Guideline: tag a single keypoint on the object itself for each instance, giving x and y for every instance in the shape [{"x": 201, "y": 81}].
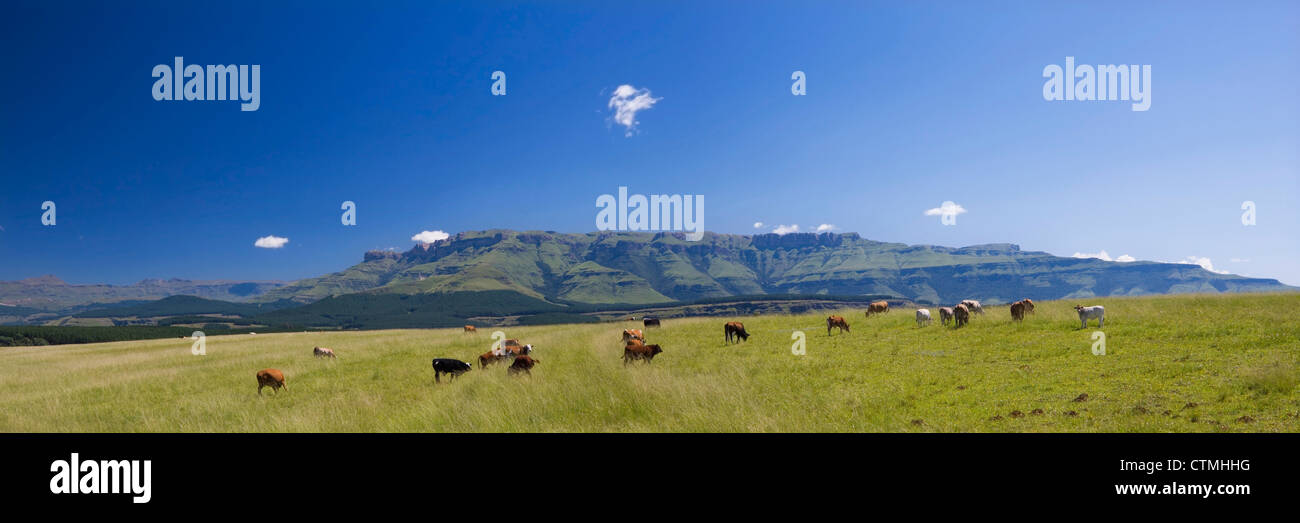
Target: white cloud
[
  {"x": 626, "y": 102},
  {"x": 270, "y": 242},
  {"x": 430, "y": 236},
  {"x": 1103, "y": 256},
  {"x": 947, "y": 208},
  {"x": 1204, "y": 263},
  {"x": 825, "y": 227},
  {"x": 1233, "y": 260},
  {"x": 758, "y": 225},
  {"x": 785, "y": 229}
]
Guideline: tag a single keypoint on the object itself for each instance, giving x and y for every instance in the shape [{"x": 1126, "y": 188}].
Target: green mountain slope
[{"x": 644, "y": 268}]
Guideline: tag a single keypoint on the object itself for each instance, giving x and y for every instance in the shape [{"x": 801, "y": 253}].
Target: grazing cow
[
  {"x": 1018, "y": 311},
  {"x": 1087, "y": 313},
  {"x": 322, "y": 352},
  {"x": 633, "y": 334},
  {"x": 523, "y": 364},
  {"x": 471, "y": 328},
  {"x": 736, "y": 329},
  {"x": 961, "y": 314},
  {"x": 945, "y": 315},
  {"x": 512, "y": 351},
  {"x": 270, "y": 378},
  {"x": 1029, "y": 305},
  {"x": 640, "y": 352},
  {"x": 973, "y": 306},
  {"x": 923, "y": 317},
  {"x": 877, "y": 307},
  {"x": 490, "y": 357},
  {"x": 836, "y": 321},
  {"x": 512, "y": 343},
  {"x": 650, "y": 322},
  {"x": 449, "y": 366}
]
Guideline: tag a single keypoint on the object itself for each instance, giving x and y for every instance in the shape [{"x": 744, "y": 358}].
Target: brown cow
[
  {"x": 519, "y": 350},
  {"x": 471, "y": 328},
  {"x": 836, "y": 321},
  {"x": 650, "y": 322},
  {"x": 270, "y": 378},
  {"x": 322, "y": 352},
  {"x": 633, "y": 334},
  {"x": 640, "y": 352},
  {"x": 1018, "y": 311},
  {"x": 523, "y": 364},
  {"x": 961, "y": 314},
  {"x": 877, "y": 307},
  {"x": 736, "y": 329},
  {"x": 945, "y": 315},
  {"x": 488, "y": 358},
  {"x": 1029, "y": 305}
]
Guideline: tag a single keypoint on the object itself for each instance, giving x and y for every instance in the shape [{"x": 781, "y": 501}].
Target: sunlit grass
[{"x": 1180, "y": 363}]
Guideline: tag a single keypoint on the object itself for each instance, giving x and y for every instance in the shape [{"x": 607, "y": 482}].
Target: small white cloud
[
  {"x": 430, "y": 236},
  {"x": 626, "y": 102},
  {"x": 270, "y": 242},
  {"x": 825, "y": 227},
  {"x": 758, "y": 225},
  {"x": 785, "y": 229},
  {"x": 946, "y": 209},
  {"x": 1204, "y": 263},
  {"x": 1103, "y": 256}
]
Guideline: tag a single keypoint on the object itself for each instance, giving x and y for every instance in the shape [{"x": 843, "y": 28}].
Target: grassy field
[{"x": 1172, "y": 364}]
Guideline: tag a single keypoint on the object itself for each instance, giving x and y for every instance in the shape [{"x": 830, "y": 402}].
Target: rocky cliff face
[{"x": 640, "y": 268}]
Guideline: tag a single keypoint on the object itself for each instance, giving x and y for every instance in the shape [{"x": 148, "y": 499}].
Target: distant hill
[
  {"x": 184, "y": 305},
  {"x": 650, "y": 268},
  {"x": 50, "y": 294}
]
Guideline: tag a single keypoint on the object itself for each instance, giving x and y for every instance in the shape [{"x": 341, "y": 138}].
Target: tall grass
[{"x": 1172, "y": 363}]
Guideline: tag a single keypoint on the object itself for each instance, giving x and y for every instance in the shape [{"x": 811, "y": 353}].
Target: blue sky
[{"x": 908, "y": 105}]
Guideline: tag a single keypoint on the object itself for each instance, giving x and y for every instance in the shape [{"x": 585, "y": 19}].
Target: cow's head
[{"x": 1078, "y": 308}]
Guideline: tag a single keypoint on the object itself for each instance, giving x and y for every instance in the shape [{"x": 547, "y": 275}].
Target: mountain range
[
  {"x": 550, "y": 271},
  {"x": 647, "y": 268}
]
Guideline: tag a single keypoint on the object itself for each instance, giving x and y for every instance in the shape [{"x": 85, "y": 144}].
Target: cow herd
[
  {"x": 960, "y": 314},
  {"x": 635, "y": 347}
]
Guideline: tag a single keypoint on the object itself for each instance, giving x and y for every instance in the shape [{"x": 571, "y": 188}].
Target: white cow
[
  {"x": 1087, "y": 313},
  {"x": 922, "y": 317},
  {"x": 974, "y": 306}
]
